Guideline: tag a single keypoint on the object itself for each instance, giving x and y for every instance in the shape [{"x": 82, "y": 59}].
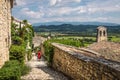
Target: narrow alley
[{"x": 40, "y": 71}]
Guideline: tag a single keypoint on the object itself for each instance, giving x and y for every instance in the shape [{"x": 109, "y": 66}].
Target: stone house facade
[
  {"x": 5, "y": 29},
  {"x": 19, "y": 23}
]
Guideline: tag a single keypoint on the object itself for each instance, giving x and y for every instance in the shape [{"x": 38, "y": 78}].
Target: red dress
[{"x": 39, "y": 54}]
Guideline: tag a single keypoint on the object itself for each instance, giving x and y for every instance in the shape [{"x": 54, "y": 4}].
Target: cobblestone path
[{"x": 40, "y": 71}]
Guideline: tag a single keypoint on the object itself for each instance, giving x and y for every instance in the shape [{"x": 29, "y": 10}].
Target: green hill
[{"x": 76, "y": 29}]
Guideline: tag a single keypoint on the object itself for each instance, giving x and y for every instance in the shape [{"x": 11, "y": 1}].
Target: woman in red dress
[{"x": 39, "y": 55}]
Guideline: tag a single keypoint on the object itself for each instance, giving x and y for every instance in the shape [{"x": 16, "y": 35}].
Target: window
[
  {"x": 100, "y": 33},
  {"x": 6, "y": 42},
  {"x": 104, "y": 33}
]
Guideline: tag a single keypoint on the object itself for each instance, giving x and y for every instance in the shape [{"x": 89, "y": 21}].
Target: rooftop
[
  {"x": 109, "y": 50},
  {"x": 101, "y": 27}
]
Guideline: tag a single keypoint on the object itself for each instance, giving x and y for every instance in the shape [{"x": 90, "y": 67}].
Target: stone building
[
  {"x": 19, "y": 23},
  {"x": 5, "y": 29},
  {"x": 108, "y": 50},
  {"x": 101, "y": 34}
]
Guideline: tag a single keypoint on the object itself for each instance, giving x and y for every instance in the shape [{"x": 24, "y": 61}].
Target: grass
[{"x": 114, "y": 39}]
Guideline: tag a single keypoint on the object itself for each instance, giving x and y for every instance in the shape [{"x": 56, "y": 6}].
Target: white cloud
[
  {"x": 68, "y": 10},
  {"x": 78, "y": 0},
  {"x": 67, "y": 1},
  {"x": 102, "y": 9},
  {"x": 20, "y": 2},
  {"x": 106, "y": 6},
  {"x": 63, "y": 2},
  {"x": 53, "y": 2},
  {"x": 31, "y": 14},
  {"x": 102, "y": 19},
  {"x": 82, "y": 9},
  {"x": 76, "y": 18}
]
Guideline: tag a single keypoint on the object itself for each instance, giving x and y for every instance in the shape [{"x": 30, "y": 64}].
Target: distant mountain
[
  {"x": 77, "y": 23},
  {"x": 83, "y": 30}
]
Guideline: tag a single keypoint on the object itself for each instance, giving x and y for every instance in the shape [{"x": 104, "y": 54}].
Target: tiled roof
[{"x": 109, "y": 50}]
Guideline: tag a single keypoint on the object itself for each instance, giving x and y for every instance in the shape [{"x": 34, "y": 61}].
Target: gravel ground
[{"x": 40, "y": 71}]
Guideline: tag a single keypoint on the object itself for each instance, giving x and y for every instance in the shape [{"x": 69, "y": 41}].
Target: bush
[
  {"x": 29, "y": 54},
  {"x": 10, "y": 74},
  {"x": 17, "y": 53},
  {"x": 11, "y": 63},
  {"x": 36, "y": 49},
  {"x": 25, "y": 70},
  {"x": 17, "y": 40},
  {"x": 10, "y": 71},
  {"x": 72, "y": 42},
  {"x": 48, "y": 51}
]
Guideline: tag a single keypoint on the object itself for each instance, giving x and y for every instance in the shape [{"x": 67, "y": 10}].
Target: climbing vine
[{"x": 22, "y": 39}]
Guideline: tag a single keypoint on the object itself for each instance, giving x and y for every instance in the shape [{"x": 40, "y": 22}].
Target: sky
[{"x": 37, "y": 11}]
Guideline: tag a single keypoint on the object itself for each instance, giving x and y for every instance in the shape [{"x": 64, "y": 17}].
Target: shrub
[
  {"x": 48, "y": 51},
  {"x": 17, "y": 40},
  {"x": 36, "y": 49},
  {"x": 11, "y": 63},
  {"x": 17, "y": 53},
  {"x": 10, "y": 71},
  {"x": 72, "y": 42},
  {"x": 29, "y": 54},
  {"x": 25, "y": 70}
]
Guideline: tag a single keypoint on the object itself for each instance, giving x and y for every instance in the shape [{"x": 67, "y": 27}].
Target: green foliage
[
  {"x": 10, "y": 71},
  {"x": 68, "y": 41},
  {"x": 13, "y": 29},
  {"x": 20, "y": 38},
  {"x": 17, "y": 53},
  {"x": 13, "y": 69},
  {"x": 48, "y": 51},
  {"x": 23, "y": 33},
  {"x": 16, "y": 40},
  {"x": 25, "y": 21},
  {"x": 36, "y": 49},
  {"x": 72, "y": 42},
  {"x": 29, "y": 54},
  {"x": 25, "y": 69},
  {"x": 11, "y": 63},
  {"x": 31, "y": 30},
  {"x": 78, "y": 30},
  {"x": 114, "y": 38}
]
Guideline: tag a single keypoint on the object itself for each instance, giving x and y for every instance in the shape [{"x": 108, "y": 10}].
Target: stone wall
[
  {"x": 5, "y": 30},
  {"x": 81, "y": 67},
  {"x": 42, "y": 49}
]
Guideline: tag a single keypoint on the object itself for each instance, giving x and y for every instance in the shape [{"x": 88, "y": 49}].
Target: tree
[{"x": 25, "y": 22}]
